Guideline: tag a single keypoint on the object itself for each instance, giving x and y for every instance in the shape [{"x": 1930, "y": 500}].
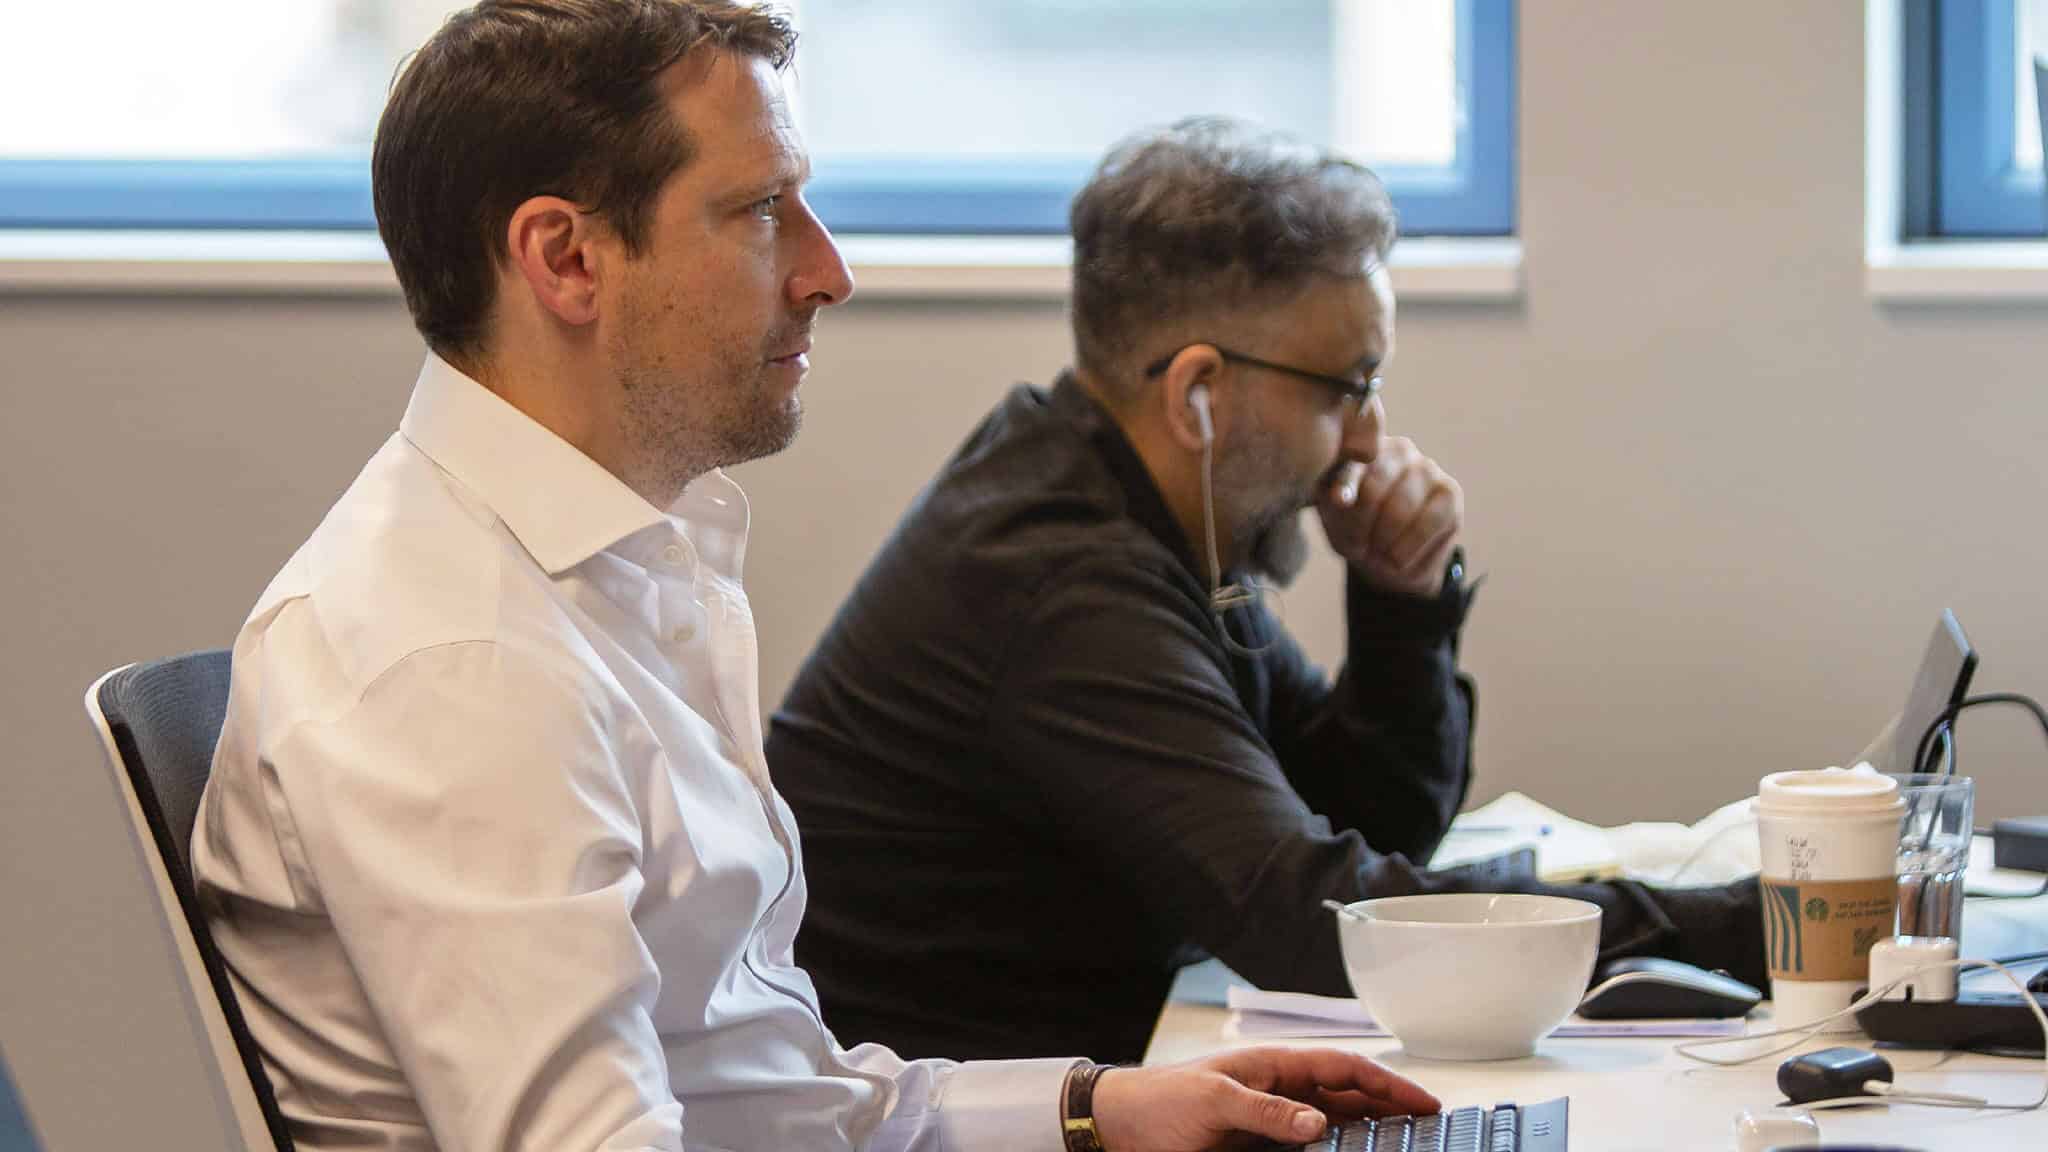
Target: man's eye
[{"x": 766, "y": 207}]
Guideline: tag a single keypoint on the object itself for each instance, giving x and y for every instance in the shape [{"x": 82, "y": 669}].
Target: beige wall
[{"x": 1719, "y": 493}]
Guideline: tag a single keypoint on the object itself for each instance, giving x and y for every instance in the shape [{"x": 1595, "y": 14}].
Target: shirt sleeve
[
  {"x": 950, "y": 1106},
  {"x": 1115, "y": 710},
  {"x": 978, "y": 1106},
  {"x": 467, "y": 828},
  {"x": 1114, "y": 707},
  {"x": 1387, "y": 748}
]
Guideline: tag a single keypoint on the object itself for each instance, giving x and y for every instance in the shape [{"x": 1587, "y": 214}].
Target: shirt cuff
[
  {"x": 1379, "y": 618},
  {"x": 1004, "y": 1106}
]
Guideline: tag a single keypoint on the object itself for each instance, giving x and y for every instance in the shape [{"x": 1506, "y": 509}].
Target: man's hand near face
[{"x": 1395, "y": 520}]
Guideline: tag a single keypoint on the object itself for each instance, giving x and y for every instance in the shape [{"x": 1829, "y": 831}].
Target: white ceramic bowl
[{"x": 1470, "y": 976}]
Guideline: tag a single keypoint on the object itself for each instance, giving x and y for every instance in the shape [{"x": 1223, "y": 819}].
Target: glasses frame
[{"x": 1356, "y": 391}]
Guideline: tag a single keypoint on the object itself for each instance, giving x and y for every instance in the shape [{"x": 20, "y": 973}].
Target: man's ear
[
  {"x": 551, "y": 244},
  {"x": 1187, "y": 392}
]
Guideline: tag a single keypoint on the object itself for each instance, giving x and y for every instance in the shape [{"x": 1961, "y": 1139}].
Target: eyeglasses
[{"x": 1355, "y": 391}]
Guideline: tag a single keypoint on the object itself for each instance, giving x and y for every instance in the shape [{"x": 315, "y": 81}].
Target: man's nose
[{"x": 821, "y": 277}]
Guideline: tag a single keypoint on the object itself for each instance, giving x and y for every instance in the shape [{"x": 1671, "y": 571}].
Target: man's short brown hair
[
  {"x": 514, "y": 99},
  {"x": 1207, "y": 216}
]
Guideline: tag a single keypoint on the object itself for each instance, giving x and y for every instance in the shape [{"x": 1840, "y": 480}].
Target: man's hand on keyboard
[{"x": 1284, "y": 1094}]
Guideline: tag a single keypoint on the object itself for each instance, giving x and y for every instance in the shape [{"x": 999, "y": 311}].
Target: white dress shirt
[{"x": 490, "y": 846}]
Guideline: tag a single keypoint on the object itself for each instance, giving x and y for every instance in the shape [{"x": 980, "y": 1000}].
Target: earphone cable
[{"x": 1224, "y": 597}]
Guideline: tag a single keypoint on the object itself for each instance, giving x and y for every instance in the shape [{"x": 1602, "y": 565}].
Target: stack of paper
[
  {"x": 1720, "y": 848},
  {"x": 1297, "y": 1015}
]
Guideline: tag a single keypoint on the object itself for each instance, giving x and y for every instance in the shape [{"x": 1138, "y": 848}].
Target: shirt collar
[
  {"x": 563, "y": 506},
  {"x": 1142, "y": 500}
]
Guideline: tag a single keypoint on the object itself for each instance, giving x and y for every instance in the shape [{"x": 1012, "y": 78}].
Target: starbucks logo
[{"x": 1817, "y": 909}]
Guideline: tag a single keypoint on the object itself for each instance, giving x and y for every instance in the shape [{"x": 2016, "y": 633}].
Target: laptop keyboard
[{"x": 1501, "y": 1128}]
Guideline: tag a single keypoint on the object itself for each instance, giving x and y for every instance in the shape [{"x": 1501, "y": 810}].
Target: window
[
  {"x": 923, "y": 116},
  {"x": 1035, "y": 90},
  {"x": 1973, "y": 156}
]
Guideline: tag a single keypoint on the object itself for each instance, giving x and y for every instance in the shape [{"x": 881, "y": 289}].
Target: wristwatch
[{"x": 1077, "y": 1107}]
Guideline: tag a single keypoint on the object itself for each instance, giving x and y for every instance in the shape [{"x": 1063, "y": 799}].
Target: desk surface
[{"x": 1639, "y": 1094}]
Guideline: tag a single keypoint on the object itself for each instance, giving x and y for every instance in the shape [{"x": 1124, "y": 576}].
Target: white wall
[{"x": 1718, "y": 492}]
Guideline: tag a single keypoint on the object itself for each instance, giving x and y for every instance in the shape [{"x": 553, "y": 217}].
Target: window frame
[
  {"x": 1962, "y": 176},
  {"x": 1473, "y": 196}
]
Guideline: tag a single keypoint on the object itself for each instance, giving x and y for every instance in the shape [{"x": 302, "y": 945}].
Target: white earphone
[{"x": 1222, "y": 597}]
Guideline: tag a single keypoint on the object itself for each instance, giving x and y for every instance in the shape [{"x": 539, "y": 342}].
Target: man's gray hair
[{"x": 1208, "y": 216}]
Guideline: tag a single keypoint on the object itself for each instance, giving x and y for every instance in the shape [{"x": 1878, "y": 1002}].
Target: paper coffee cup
[{"x": 1829, "y": 842}]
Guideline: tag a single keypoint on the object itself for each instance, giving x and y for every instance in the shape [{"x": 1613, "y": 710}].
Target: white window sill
[
  {"x": 1958, "y": 271},
  {"x": 885, "y": 267},
  {"x": 1036, "y": 267}
]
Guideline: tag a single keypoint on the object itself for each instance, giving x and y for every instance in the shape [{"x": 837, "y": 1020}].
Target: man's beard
[
  {"x": 1279, "y": 549},
  {"x": 749, "y": 422},
  {"x": 1267, "y": 521},
  {"x": 752, "y": 424},
  {"x": 727, "y": 413}
]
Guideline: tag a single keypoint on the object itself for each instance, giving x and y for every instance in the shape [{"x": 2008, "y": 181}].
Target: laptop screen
[
  {"x": 1939, "y": 684},
  {"x": 15, "y": 1134}
]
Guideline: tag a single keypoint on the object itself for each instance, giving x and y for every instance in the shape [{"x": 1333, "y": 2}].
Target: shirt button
[
  {"x": 684, "y": 633},
  {"x": 672, "y": 555}
]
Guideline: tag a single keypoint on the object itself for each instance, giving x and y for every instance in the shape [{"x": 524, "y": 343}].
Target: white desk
[{"x": 1639, "y": 1094}]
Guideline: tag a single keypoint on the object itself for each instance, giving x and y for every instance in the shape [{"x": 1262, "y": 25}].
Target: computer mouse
[{"x": 1650, "y": 988}]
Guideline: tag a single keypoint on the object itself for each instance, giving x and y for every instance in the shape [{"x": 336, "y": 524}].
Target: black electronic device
[
  {"x": 1975, "y": 1019},
  {"x": 1831, "y": 1074},
  {"x": 2021, "y": 845},
  {"x": 1652, "y": 988},
  {"x": 1501, "y": 1128}
]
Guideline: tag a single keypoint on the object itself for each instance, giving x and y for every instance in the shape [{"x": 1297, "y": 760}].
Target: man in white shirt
[{"x": 490, "y": 845}]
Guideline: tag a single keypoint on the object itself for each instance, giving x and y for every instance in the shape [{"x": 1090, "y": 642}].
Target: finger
[
  {"x": 1344, "y": 1107},
  {"x": 1437, "y": 496},
  {"x": 1397, "y": 510},
  {"x": 1347, "y": 1105},
  {"x": 1428, "y": 570},
  {"x": 1350, "y": 524},
  {"x": 1274, "y": 1117},
  {"x": 1349, "y": 478},
  {"x": 1352, "y": 519},
  {"x": 1298, "y": 1071},
  {"x": 1387, "y": 466},
  {"x": 1437, "y": 520}
]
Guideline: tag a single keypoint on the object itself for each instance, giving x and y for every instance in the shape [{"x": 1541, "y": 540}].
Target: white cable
[
  {"x": 1892, "y": 1091},
  {"x": 1805, "y": 1032},
  {"x": 1222, "y": 598},
  {"x": 1218, "y": 595}
]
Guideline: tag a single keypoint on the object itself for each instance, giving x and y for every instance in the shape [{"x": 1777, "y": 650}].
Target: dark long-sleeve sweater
[{"x": 1032, "y": 779}]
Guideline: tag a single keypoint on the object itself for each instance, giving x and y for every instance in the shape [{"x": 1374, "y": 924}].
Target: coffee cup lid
[{"x": 1829, "y": 791}]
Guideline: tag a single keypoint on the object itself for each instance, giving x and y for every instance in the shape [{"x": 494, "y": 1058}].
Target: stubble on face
[
  {"x": 1259, "y": 503},
  {"x": 718, "y": 406}
]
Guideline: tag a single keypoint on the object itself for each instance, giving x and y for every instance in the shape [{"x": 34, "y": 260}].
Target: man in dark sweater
[{"x": 1054, "y": 747}]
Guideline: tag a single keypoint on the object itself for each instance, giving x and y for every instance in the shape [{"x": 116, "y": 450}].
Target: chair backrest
[{"x": 159, "y": 723}]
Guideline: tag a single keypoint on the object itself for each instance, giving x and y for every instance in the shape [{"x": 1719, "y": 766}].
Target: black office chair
[{"x": 159, "y": 723}]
